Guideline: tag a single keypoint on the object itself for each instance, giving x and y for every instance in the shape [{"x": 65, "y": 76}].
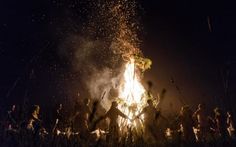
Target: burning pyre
[
  {"x": 132, "y": 94},
  {"x": 116, "y": 22},
  {"x": 123, "y": 24}
]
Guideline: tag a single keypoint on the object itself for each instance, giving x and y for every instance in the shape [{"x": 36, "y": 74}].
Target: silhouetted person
[
  {"x": 187, "y": 123},
  {"x": 34, "y": 124},
  {"x": 11, "y": 127},
  {"x": 12, "y": 118},
  {"x": 80, "y": 118},
  {"x": 113, "y": 113},
  {"x": 202, "y": 122},
  {"x": 60, "y": 120},
  {"x": 150, "y": 116},
  {"x": 83, "y": 116},
  {"x": 221, "y": 124},
  {"x": 74, "y": 119},
  {"x": 230, "y": 124}
]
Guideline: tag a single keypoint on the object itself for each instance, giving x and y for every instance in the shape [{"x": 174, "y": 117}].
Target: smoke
[
  {"x": 99, "y": 52},
  {"x": 103, "y": 85},
  {"x": 100, "y": 68}
]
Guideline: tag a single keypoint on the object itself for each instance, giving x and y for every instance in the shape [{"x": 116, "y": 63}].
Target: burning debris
[{"x": 132, "y": 94}]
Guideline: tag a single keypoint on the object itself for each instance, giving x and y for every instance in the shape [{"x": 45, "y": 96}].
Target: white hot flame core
[{"x": 132, "y": 95}]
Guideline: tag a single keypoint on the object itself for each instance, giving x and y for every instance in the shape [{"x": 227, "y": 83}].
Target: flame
[{"x": 131, "y": 94}]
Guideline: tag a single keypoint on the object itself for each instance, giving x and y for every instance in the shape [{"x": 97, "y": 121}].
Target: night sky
[{"x": 175, "y": 35}]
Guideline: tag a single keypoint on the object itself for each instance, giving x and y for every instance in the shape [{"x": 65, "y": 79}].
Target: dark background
[{"x": 176, "y": 37}]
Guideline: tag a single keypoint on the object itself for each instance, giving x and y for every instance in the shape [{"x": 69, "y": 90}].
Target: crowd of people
[{"x": 83, "y": 126}]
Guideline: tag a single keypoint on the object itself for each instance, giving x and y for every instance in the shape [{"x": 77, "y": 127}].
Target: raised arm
[{"x": 122, "y": 114}]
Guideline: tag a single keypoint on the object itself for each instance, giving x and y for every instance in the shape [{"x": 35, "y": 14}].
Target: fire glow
[{"x": 131, "y": 94}]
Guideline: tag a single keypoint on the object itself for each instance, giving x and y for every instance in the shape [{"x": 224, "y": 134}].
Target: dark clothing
[
  {"x": 11, "y": 119},
  {"x": 60, "y": 120},
  {"x": 150, "y": 119},
  {"x": 113, "y": 114},
  {"x": 187, "y": 123},
  {"x": 80, "y": 120},
  {"x": 221, "y": 124}
]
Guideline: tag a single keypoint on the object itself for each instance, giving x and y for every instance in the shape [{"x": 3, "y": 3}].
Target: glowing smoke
[{"x": 107, "y": 40}]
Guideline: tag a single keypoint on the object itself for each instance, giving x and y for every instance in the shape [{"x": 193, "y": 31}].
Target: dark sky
[
  {"x": 181, "y": 46},
  {"x": 175, "y": 36}
]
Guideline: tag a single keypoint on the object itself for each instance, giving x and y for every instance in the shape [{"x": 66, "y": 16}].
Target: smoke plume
[{"x": 99, "y": 52}]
